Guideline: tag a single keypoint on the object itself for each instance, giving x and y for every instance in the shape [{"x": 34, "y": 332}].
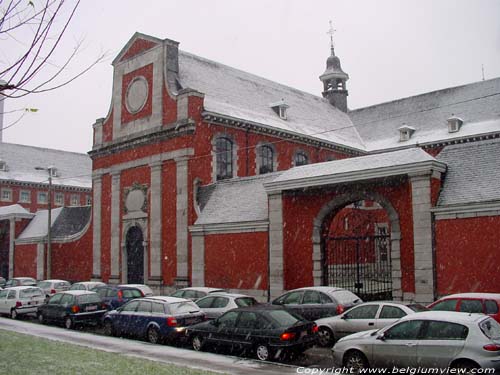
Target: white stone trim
[
  {"x": 182, "y": 216},
  {"x": 276, "y": 270},
  {"x": 156, "y": 220},
  {"x": 115, "y": 224},
  {"x": 466, "y": 210},
  {"x": 96, "y": 227},
  {"x": 236, "y": 227},
  {"x": 40, "y": 261},
  {"x": 360, "y": 175},
  {"x": 198, "y": 259},
  {"x": 12, "y": 235}
]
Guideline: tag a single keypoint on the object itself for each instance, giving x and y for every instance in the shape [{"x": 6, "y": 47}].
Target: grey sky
[{"x": 390, "y": 49}]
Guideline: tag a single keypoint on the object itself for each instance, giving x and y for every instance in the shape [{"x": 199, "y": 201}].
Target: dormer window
[
  {"x": 405, "y": 133},
  {"x": 280, "y": 108},
  {"x": 3, "y": 165},
  {"x": 53, "y": 172},
  {"x": 454, "y": 124}
]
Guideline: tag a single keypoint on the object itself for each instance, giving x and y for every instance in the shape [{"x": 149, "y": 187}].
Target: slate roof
[
  {"x": 73, "y": 169},
  {"x": 66, "y": 221},
  {"x": 473, "y": 174},
  {"x": 477, "y": 104},
  {"x": 236, "y": 200},
  {"x": 242, "y": 95}
]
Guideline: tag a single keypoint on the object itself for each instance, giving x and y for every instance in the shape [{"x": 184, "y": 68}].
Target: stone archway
[
  {"x": 134, "y": 252},
  {"x": 341, "y": 201}
]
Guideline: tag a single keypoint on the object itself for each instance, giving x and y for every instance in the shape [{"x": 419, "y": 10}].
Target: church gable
[{"x": 139, "y": 43}]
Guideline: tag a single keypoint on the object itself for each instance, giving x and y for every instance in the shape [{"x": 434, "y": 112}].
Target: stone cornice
[
  {"x": 39, "y": 185},
  {"x": 220, "y": 119},
  {"x": 238, "y": 227},
  {"x": 459, "y": 211},
  {"x": 132, "y": 141},
  {"x": 355, "y": 176}
]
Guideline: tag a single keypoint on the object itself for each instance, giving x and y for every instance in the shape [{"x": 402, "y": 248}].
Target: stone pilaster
[
  {"x": 155, "y": 221},
  {"x": 12, "y": 237},
  {"x": 198, "y": 258},
  {"x": 276, "y": 283},
  {"x": 115, "y": 227},
  {"x": 422, "y": 238},
  {"x": 96, "y": 227},
  {"x": 40, "y": 261},
  {"x": 182, "y": 218}
]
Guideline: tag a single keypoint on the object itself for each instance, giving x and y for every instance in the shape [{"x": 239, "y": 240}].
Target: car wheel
[
  {"x": 325, "y": 336},
  {"x": 197, "y": 343},
  {"x": 466, "y": 366},
  {"x": 262, "y": 352},
  {"x": 153, "y": 335},
  {"x": 13, "y": 314},
  {"x": 109, "y": 330},
  {"x": 355, "y": 361},
  {"x": 68, "y": 323}
]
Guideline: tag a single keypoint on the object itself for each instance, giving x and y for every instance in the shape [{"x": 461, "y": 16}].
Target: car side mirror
[
  {"x": 344, "y": 317},
  {"x": 381, "y": 337}
]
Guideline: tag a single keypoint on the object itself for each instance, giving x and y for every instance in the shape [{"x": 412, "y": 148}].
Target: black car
[
  {"x": 314, "y": 303},
  {"x": 157, "y": 319},
  {"x": 269, "y": 332},
  {"x": 115, "y": 296},
  {"x": 72, "y": 307}
]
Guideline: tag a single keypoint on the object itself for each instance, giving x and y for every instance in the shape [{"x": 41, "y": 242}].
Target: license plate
[{"x": 91, "y": 308}]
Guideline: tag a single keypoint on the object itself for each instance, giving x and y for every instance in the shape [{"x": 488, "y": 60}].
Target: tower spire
[{"x": 331, "y": 31}]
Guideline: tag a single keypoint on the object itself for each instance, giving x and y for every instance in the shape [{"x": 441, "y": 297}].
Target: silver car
[
  {"x": 51, "y": 287},
  {"x": 368, "y": 315},
  {"x": 215, "y": 304},
  {"x": 433, "y": 339},
  {"x": 86, "y": 285},
  {"x": 194, "y": 293}
]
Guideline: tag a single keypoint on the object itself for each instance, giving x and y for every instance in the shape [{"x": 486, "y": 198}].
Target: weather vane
[{"x": 331, "y": 31}]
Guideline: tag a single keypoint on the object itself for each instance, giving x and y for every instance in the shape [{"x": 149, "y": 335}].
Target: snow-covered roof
[
  {"x": 477, "y": 104},
  {"x": 73, "y": 169},
  {"x": 13, "y": 210},
  {"x": 241, "y": 95},
  {"x": 473, "y": 174},
  {"x": 237, "y": 200},
  {"x": 37, "y": 227}
]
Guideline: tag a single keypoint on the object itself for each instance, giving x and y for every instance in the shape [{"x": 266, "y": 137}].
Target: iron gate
[{"x": 360, "y": 264}]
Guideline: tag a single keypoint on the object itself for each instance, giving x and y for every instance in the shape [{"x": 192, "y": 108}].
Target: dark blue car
[
  {"x": 157, "y": 319},
  {"x": 115, "y": 296}
]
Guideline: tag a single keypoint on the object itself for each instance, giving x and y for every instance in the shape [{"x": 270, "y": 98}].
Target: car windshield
[
  {"x": 43, "y": 284},
  {"x": 345, "y": 297},
  {"x": 31, "y": 292},
  {"x": 418, "y": 308},
  {"x": 490, "y": 328},
  {"x": 183, "y": 307},
  {"x": 88, "y": 298},
  {"x": 282, "y": 318},
  {"x": 245, "y": 301}
]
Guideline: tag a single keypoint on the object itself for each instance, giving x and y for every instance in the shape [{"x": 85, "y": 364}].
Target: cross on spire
[{"x": 330, "y": 32}]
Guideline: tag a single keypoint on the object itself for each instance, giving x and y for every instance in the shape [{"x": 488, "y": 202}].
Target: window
[
  {"x": 445, "y": 331},
  {"x": 131, "y": 306},
  {"x": 228, "y": 320},
  {"x": 446, "y": 305},
  {"x": 391, "y": 312},
  {"x": 491, "y": 307},
  {"x": 75, "y": 200},
  {"x": 404, "y": 331},
  {"x": 6, "y": 195},
  {"x": 144, "y": 306},
  {"x": 300, "y": 159},
  {"x": 245, "y": 301},
  {"x": 12, "y": 295},
  {"x": 24, "y": 196},
  {"x": 220, "y": 302},
  {"x": 59, "y": 199},
  {"x": 42, "y": 197},
  {"x": 205, "y": 302},
  {"x": 292, "y": 298},
  {"x": 266, "y": 159},
  {"x": 490, "y": 328},
  {"x": 158, "y": 308},
  {"x": 88, "y": 200},
  {"x": 247, "y": 320},
  {"x": 471, "y": 306},
  {"x": 3, "y": 165},
  {"x": 311, "y": 297},
  {"x": 362, "y": 312},
  {"x": 224, "y": 158},
  {"x": 54, "y": 300},
  {"x": 67, "y": 299}
]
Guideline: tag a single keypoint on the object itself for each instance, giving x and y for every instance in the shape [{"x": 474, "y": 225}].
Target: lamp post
[{"x": 49, "y": 220}]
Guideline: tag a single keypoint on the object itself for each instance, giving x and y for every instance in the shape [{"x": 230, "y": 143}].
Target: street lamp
[{"x": 50, "y": 170}]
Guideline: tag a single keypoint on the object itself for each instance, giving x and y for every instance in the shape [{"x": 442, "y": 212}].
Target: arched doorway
[
  {"x": 135, "y": 256},
  {"x": 356, "y": 245}
]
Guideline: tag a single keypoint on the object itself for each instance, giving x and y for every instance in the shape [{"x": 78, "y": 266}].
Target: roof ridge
[{"x": 45, "y": 148}]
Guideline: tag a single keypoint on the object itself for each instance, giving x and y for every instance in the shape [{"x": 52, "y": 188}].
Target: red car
[{"x": 486, "y": 303}]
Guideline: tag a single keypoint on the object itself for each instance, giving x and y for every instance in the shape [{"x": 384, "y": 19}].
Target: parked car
[
  {"x": 20, "y": 281},
  {"x": 486, "y": 303},
  {"x": 86, "y": 285},
  {"x": 432, "y": 339},
  {"x": 318, "y": 302},
  {"x": 115, "y": 296},
  {"x": 362, "y": 317},
  {"x": 157, "y": 319},
  {"x": 194, "y": 293},
  {"x": 2, "y": 282},
  {"x": 20, "y": 300},
  {"x": 72, "y": 307},
  {"x": 51, "y": 287},
  {"x": 215, "y": 304},
  {"x": 269, "y": 332},
  {"x": 146, "y": 290}
]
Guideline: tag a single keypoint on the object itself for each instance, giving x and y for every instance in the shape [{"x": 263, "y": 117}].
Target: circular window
[{"x": 137, "y": 94}]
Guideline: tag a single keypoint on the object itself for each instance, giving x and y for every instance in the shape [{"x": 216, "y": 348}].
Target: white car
[
  {"x": 194, "y": 293},
  {"x": 20, "y": 281},
  {"x": 430, "y": 339},
  {"x": 20, "y": 300},
  {"x": 368, "y": 315},
  {"x": 215, "y": 304},
  {"x": 86, "y": 285},
  {"x": 146, "y": 290},
  {"x": 51, "y": 287}
]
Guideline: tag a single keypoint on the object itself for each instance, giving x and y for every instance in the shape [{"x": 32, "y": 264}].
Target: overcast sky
[{"x": 390, "y": 49}]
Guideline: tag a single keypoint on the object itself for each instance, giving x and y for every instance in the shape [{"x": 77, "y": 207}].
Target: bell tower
[{"x": 334, "y": 79}]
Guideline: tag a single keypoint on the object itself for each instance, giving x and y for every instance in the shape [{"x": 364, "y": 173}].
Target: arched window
[
  {"x": 224, "y": 158},
  {"x": 300, "y": 159},
  {"x": 266, "y": 156}
]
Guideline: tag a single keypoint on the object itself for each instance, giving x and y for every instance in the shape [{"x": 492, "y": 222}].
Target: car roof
[
  {"x": 202, "y": 289},
  {"x": 261, "y": 307},
  {"x": 23, "y": 287},
  {"x": 167, "y": 299},
  {"x": 77, "y": 292},
  {"x": 395, "y": 303},
  {"x": 90, "y": 282},
  {"x": 449, "y": 316},
  {"x": 23, "y": 278},
  {"x": 474, "y": 295},
  {"x": 326, "y": 289},
  {"x": 227, "y": 294},
  {"x": 54, "y": 281}
]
